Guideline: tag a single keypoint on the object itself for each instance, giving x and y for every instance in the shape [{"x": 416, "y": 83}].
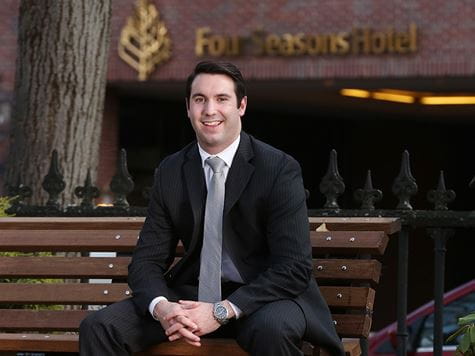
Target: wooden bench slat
[
  {"x": 347, "y": 269},
  {"x": 352, "y": 325},
  {"x": 373, "y": 243},
  {"x": 39, "y": 342},
  {"x": 388, "y": 225},
  {"x": 116, "y": 267},
  {"x": 69, "y": 343},
  {"x": 348, "y": 325},
  {"x": 63, "y": 293},
  {"x": 85, "y": 293},
  {"x": 74, "y": 223},
  {"x": 64, "y": 267},
  {"x": 42, "y": 320},
  {"x": 364, "y": 242},
  {"x": 228, "y": 347},
  {"x": 349, "y": 297},
  {"x": 64, "y": 240},
  {"x": 348, "y": 242}
]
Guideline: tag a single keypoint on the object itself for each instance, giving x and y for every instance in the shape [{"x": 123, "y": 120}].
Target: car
[{"x": 420, "y": 325}]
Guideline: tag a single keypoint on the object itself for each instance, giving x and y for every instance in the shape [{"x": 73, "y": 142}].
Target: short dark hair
[{"x": 226, "y": 68}]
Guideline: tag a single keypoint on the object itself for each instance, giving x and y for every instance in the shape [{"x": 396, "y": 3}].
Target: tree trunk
[{"x": 59, "y": 91}]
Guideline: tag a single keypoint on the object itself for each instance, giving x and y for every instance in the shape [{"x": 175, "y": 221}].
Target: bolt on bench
[{"x": 344, "y": 267}]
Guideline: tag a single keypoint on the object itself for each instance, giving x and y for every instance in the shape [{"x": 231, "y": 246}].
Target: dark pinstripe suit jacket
[{"x": 265, "y": 226}]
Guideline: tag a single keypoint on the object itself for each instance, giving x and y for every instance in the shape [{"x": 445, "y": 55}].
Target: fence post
[
  {"x": 440, "y": 237},
  {"x": 403, "y": 253}
]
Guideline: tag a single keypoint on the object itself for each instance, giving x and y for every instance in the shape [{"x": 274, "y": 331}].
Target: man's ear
[{"x": 243, "y": 106}]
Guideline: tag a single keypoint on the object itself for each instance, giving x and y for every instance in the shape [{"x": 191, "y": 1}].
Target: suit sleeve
[
  {"x": 288, "y": 241},
  {"x": 154, "y": 252}
]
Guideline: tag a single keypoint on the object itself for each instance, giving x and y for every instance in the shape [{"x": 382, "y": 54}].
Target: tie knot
[{"x": 216, "y": 164}]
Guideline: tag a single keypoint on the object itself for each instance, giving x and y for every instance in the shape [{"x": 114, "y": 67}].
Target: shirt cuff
[
  {"x": 153, "y": 303},
  {"x": 237, "y": 311}
]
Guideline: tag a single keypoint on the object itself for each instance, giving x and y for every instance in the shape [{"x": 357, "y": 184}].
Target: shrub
[
  {"x": 466, "y": 332},
  {"x": 5, "y": 203}
]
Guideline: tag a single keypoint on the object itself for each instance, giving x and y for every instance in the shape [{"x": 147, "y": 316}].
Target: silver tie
[{"x": 209, "y": 289}]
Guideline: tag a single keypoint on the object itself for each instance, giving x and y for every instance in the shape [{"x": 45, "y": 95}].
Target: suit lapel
[
  {"x": 239, "y": 173},
  {"x": 196, "y": 186}
]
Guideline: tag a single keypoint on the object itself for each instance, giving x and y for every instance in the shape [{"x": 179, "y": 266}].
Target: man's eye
[
  {"x": 199, "y": 100},
  {"x": 222, "y": 99}
]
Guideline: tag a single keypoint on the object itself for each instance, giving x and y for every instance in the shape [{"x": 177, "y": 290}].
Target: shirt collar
[{"x": 227, "y": 155}]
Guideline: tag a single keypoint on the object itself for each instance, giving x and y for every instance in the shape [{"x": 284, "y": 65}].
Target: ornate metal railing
[
  {"x": 439, "y": 223},
  {"x": 53, "y": 183}
]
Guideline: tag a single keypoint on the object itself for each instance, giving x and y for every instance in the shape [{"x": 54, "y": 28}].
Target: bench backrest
[{"x": 344, "y": 267}]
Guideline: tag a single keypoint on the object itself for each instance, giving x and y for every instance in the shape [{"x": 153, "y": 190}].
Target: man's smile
[{"x": 213, "y": 123}]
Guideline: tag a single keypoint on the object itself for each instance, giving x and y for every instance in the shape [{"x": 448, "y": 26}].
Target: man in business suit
[{"x": 268, "y": 294}]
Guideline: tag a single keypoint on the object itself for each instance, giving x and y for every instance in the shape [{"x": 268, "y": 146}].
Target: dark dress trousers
[{"x": 265, "y": 232}]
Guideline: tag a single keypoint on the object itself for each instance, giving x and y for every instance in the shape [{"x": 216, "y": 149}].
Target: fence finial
[
  {"x": 368, "y": 196},
  {"x": 332, "y": 185},
  {"x": 405, "y": 186},
  {"x": 88, "y": 192},
  {"x": 53, "y": 182},
  {"x": 440, "y": 197}
]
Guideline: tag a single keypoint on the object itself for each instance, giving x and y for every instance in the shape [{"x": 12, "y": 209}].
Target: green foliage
[
  {"x": 5, "y": 203},
  {"x": 466, "y": 331}
]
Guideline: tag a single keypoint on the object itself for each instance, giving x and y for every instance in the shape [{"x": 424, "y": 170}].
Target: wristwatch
[{"x": 220, "y": 313}]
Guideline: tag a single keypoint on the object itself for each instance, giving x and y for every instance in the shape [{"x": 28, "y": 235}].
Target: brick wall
[
  {"x": 445, "y": 46},
  {"x": 8, "y": 33},
  {"x": 8, "y": 30}
]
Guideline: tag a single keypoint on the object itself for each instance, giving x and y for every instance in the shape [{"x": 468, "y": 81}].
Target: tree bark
[{"x": 59, "y": 91}]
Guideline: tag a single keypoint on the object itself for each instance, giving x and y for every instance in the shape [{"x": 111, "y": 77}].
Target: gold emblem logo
[{"x": 144, "y": 42}]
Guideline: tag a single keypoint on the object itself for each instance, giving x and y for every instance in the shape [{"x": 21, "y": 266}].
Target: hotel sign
[{"x": 358, "y": 41}]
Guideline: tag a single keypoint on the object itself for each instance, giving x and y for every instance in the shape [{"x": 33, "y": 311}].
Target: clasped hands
[{"x": 187, "y": 320}]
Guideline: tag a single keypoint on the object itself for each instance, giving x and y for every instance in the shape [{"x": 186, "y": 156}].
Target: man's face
[{"x": 213, "y": 111}]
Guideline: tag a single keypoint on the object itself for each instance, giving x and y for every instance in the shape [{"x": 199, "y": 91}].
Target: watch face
[{"x": 221, "y": 312}]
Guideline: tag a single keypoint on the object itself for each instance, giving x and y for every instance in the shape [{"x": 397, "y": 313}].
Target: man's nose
[{"x": 210, "y": 107}]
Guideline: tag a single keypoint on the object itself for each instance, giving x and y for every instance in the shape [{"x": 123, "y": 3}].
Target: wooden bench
[{"x": 343, "y": 266}]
